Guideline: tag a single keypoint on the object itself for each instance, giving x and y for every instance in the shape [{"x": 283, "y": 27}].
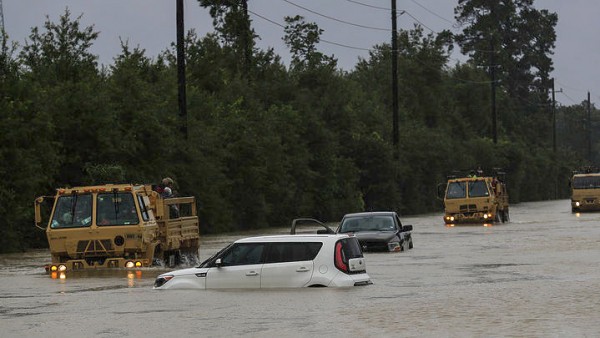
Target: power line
[
  {"x": 321, "y": 40},
  {"x": 371, "y": 6},
  {"x": 568, "y": 97},
  {"x": 338, "y": 20},
  {"x": 368, "y": 49},
  {"x": 432, "y": 12}
]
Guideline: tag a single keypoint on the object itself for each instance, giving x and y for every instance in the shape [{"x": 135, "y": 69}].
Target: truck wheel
[
  {"x": 410, "y": 244},
  {"x": 172, "y": 258}
]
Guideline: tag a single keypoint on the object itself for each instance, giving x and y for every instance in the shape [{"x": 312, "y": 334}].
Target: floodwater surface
[{"x": 536, "y": 276}]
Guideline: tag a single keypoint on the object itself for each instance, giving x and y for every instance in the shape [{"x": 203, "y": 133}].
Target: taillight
[{"x": 339, "y": 258}]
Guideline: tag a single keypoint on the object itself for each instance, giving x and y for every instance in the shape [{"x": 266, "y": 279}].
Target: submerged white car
[{"x": 282, "y": 261}]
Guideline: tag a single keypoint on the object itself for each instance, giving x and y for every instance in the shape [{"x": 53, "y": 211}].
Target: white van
[{"x": 282, "y": 261}]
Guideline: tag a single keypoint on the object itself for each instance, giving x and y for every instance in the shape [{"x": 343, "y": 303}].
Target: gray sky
[{"x": 357, "y": 25}]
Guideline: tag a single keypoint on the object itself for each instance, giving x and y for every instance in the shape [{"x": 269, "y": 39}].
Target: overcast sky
[{"x": 350, "y": 27}]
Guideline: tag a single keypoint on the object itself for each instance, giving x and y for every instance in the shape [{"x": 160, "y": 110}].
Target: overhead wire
[
  {"x": 376, "y": 28},
  {"x": 432, "y": 12},
  {"x": 371, "y": 6},
  {"x": 322, "y": 40},
  {"x": 335, "y": 19}
]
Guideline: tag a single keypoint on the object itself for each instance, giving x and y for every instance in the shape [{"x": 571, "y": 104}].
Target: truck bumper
[
  {"x": 476, "y": 217},
  {"x": 586, "y": 204},
  {"x": 108, "y": 263}
]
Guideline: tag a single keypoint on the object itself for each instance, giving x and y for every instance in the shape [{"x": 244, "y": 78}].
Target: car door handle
[
  {"x": 251, "y": 273},
  {"x": 302, "y": 269}
]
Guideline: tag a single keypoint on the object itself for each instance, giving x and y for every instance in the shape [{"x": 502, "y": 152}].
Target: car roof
[
  {"x": 371, "y": 213},
  {"x": 293, "y": 238}
]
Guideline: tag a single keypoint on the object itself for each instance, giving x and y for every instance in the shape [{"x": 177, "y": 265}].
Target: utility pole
[
  {"x": 395, "y": 132},
  {"x": 493, "y": 88},
  {"x": 246, "y": 38},
  {"x": 1, "y": 24},
  {"x": 554, "y": 115},
  {"x": 589, "y": 125},
  {"x": 553, "y": 118},
  {"x": 181, "y": 70}
]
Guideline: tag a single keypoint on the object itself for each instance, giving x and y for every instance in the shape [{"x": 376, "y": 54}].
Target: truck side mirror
[
  {"x": 38, "y": 213},
  {"x": 441, "y": 190},
  {"x": 218, "y": 262},
  {"x": 407, "y": 228}
]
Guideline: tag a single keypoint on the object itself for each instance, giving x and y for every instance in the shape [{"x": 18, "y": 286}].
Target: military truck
[
  {"x": 475, "y": 198},
  {"x": 118, "y": 226},
  {"x": 585, "y": 190}
]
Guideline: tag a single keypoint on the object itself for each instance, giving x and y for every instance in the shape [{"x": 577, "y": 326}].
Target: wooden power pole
[
  {"x": 395, "y": 132},
  {"x": 181, "y": 70}
]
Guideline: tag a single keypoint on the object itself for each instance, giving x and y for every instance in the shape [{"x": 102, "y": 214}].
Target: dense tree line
[{"x": 269, "y": 142}]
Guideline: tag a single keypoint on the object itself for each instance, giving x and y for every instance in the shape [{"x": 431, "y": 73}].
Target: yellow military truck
[
  {"x": 585, "y": 190},
  {"x": 475, "y": 199},
  {"x": 118, "y": 226}
]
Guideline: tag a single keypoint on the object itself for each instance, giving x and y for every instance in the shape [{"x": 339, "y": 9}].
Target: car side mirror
[
  {"x": 218, "y": 262},
  {"x": 407, "y": 227}
]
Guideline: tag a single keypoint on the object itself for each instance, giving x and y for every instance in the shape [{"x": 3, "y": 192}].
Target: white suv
[{"x": 276, "y": 262}]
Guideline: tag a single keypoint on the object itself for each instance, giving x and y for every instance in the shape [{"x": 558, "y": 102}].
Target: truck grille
[
  {"x": 470, "y": 207},
  {"x": 95, "y": 247}
]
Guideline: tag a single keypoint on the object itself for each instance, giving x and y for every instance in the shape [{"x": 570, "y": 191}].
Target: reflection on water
[
  {"x": 536, "y": 276},
  {"x": 452, "y": 225}
]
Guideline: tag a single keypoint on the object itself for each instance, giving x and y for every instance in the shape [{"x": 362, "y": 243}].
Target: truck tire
[
  {"x": 505, "y": 216},
  {"x": 172, "y": 258}
]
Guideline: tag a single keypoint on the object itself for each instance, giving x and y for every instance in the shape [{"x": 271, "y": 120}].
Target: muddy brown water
[{"x": 537, "y": 276}]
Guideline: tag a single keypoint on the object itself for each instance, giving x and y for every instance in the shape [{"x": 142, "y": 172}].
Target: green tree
[
  {"x": 28, "y": 154},
  {"x": 57, "y": 61},
  {"x": 516, "y": 37},
  {"x": 232, "y": 23}
]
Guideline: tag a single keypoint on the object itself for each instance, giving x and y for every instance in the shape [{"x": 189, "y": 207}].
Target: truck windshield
[
  {"x": 586, "y": 182},
  {"x": 73, "y": 211},
  {"x": 116, "y": 208},
  {"x": 456, "y": 190},
  {"x": 478, "y": 189}
]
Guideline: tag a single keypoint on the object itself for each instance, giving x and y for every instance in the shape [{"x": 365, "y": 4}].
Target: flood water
[{"x": 537, "y": 276}]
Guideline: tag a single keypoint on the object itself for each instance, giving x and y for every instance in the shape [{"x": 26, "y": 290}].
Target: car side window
[
  {"x": 243, "y": 254},
  {"x": 293, "y": 252}
]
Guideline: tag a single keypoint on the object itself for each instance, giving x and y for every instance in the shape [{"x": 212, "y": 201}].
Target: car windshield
[
  {"x": 73, "y": 211},
  {"x": 456, "y": 190},
  {"x": 367, "y": 223}
]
